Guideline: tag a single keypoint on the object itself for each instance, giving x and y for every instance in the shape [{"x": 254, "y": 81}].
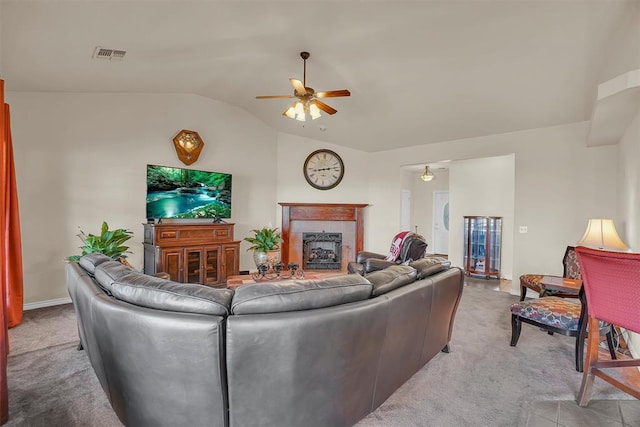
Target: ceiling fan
[{"x": 308, "y": 101}]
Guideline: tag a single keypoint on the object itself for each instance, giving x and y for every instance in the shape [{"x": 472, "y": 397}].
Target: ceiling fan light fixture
[
  {"x": 427, "y": 175},
  {"x": 308, "y": 98},
  {"x": 314, "y": 111},
  {"x": 300, "y": 116},
  {"x": 291, "y": 112}
]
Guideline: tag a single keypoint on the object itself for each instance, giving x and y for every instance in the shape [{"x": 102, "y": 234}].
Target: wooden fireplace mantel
[{"x": 321, "y": 212}]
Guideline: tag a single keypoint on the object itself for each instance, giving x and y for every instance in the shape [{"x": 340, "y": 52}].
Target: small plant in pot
[
  {"x": 265, "y": 244},
  {"x": 108, "y": 242}
]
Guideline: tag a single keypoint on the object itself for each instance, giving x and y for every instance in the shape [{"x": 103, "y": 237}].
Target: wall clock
[{"x": 323, "y": 169}]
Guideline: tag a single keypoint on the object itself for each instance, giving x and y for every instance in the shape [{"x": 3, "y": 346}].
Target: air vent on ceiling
[{"x": 102, "y": 53}]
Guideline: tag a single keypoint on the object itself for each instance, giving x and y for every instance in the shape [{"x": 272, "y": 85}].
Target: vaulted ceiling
[{"x": 418, "y": 71}]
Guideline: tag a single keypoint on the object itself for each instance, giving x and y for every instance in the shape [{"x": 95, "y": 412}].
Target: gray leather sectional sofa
[{"x": 296, "y": 353}]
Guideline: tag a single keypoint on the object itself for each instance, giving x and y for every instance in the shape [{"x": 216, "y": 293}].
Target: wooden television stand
[{"x": 192, "y": 252}]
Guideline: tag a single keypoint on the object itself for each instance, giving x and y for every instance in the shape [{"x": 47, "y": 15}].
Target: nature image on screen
[{"x": 186, "y": 193}]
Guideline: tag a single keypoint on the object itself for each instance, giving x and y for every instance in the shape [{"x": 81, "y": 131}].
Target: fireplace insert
[{"x": 321, "y": 251}]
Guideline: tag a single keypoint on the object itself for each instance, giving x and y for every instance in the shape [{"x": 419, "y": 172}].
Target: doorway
[{"x": 441, "y": 222}]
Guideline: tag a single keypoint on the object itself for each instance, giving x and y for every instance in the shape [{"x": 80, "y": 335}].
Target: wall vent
[{"x": 110, "y": 54}]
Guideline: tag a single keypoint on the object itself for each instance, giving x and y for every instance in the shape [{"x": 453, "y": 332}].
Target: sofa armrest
[
  {"x": 374, "y": 264},
  {"x": 364, "y": 256}
]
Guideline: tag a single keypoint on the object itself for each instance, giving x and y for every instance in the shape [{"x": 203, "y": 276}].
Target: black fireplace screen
[{"x": 321, "y": 251}]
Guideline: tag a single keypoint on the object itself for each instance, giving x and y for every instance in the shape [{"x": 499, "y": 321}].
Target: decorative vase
[
  {"x": 259, "y": 257},
  {"x": 270, "y": 258},
  {"x": 273, "y": 258}
]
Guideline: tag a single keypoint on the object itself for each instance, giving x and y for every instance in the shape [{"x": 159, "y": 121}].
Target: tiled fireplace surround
[{"x": 299, "y": 218}]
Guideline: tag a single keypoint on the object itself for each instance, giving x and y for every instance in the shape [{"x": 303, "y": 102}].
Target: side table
[{"x": 555, "y": 284}]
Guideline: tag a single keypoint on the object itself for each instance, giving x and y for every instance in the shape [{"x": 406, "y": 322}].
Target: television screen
[{"x": 187, "y": 193}]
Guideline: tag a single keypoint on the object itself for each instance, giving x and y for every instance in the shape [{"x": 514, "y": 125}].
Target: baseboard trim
[{"x": 47, "y": 303}]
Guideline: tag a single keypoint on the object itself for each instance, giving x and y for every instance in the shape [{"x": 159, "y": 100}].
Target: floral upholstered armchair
[{"x": 571, "y": 271}]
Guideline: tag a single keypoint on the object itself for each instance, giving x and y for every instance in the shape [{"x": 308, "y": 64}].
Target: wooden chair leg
[
  {"x": 516, "y": 326},
  {"x": 580, "y": 339},
  {"x": 523, "y": 292},
  {"x": 593, "y": 342}
]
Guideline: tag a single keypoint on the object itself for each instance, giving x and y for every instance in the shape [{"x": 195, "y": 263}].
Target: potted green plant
[
  {"x": 265, "y": 244},
  {"x": 108, "y": 242}
]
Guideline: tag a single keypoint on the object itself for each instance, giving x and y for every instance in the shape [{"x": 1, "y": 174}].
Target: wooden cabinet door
[
  {"x": 212, "y": 265},
  {"x": 193, "y": 272},
  {"x": 171, "y": 262},
  {"x": 230, "y": 260}
]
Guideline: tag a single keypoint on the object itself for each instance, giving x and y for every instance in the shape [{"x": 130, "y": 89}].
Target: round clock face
[{"x": 323, "y": 169}]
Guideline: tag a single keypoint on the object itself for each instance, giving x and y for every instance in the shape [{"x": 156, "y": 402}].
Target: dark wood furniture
[
  {"x": 192, "y": 253},
  {"x": 482, "y": 244}
]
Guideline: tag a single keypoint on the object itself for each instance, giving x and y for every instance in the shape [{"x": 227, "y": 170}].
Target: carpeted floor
[{"x": 482, "y": 382}]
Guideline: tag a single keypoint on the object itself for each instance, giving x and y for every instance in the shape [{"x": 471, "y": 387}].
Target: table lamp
[{"x": 602, "y": 234}]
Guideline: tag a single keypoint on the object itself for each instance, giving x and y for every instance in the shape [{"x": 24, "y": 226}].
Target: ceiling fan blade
[
  {"x": 324, "y": 107},
  {"x": 299, "y": 87},
  {"x": 332, "y": 93},
  {"x": 274, "y": 96}
]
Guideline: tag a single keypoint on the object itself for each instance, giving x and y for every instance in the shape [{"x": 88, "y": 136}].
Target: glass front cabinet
[{"x": 482, "y": 246}]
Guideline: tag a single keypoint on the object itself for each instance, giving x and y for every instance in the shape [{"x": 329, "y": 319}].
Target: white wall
[
  {"x": 482, "y": 187},
  {"x": 622, "y": 49},
  {"x": 629, "y": 196},
  {"x": 629, "y": 186},
  {"x": 81, "y": 159},
  {"x": 559, "y": 184}
]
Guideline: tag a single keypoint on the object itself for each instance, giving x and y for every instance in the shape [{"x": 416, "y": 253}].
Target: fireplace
[
  {"x": 321, "y": 251},
  {"x": 334, "y": 230}
]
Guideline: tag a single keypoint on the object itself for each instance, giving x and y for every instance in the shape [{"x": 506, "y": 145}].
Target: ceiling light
[
  {"x": 291, "y": 112},
  {"x": 427, "y": 175},
  {"x": 314, "y": 111},
  {"x": 299, "y": 109}
]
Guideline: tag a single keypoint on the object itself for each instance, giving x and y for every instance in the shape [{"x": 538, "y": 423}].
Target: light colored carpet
[{"x": 482, "y": 382}]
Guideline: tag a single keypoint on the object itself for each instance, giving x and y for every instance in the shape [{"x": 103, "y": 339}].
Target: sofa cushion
[
  {"x": 90, "y": 261},
  {"x": 294, "y": 295},
  {"x": 110, "y": 271},
  {"x": 391, "y": 278},
  {"x": 154, "y": 292},
  {"x": 429, "y": 266}
]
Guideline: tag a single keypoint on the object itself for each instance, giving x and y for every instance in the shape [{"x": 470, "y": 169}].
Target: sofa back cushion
[
  {"x": 161, "y": 294},
  {"x": 429, "y": 266},
  {"x": 90, "y": 261},
  {"x": 391, "y": 278},
  {"x": 295, "y": 295},
  {"x": 108, "y": 272}
]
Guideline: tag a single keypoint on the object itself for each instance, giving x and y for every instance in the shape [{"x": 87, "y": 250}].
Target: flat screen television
[{"x": 187, "y": 193}]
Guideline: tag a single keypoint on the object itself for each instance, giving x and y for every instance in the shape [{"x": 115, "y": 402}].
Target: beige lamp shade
[{"x": 602, "y": 234}]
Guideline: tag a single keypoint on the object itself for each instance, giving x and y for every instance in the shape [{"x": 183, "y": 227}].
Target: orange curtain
[
  {"x": 10, "y": 251},
  {"x": 11, "y": 260}
]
